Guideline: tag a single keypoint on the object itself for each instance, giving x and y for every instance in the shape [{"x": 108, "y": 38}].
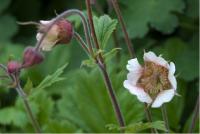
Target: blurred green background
[{"x": 79, "y": 102}]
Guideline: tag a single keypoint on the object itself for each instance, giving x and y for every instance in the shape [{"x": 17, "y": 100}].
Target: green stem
[
  {"x": 195, "y": 117},
  {"x": 81, "y": 42},
  {"x": 34, "y": 122},
  {"x": 165, "y": 118},
  {"x": 113, "y": 98},
  {"x": 102, "y": 66},
  {"x": 121, "y": 21},
  {"x": 149, "y": 117}
]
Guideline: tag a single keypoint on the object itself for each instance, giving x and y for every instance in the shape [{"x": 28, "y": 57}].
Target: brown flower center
[{"x": 154, "y": 79}]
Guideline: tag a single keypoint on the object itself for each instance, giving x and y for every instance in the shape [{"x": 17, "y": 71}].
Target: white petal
[
  {"x": 47, "y": 45},
  {"x": 133, "y": 65},
  {"x": 139, "y": 92},
  {"x": 133, "y": 77},
  {"x": 164, "y": 96},
  {"x": 172, "y": 68},
  {"x": 172, "y": 80},
  {"x": 150, "y": 56},
  {"x": 45, "y": 22},
  {"x": 38, "y": 36},
  {"x": 171, "y": 76}
]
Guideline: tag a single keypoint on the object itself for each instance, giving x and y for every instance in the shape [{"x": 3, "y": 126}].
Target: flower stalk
[
  {"x": 130, "y": 47},
  {"x": 81, "y": 42},
  {"x": 67, "y": 14},
  {"x": 195, "y": 117},
  {"x": 122, "y": 23},
  {"x": 165, "y": 117},
  {"x": 23, "y": 95},
  {"x": 149, "y": 117},
  {"x": 111, "y": 92},
  {"x": 102, "y": 66}
]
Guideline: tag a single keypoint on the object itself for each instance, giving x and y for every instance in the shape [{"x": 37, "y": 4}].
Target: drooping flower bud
[
  {"x": 61, "y": 32},
  {"x": 13, "y": 67},
  {"x": 31, "y": 57}
]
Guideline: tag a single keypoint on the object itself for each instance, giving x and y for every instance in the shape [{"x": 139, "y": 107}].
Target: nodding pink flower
[
  {"x": 31, "y": 57},
  {"x": 153, "y": 83},
  {"x": 13, "y": 67},
  {"x": 61, "y": 32}
]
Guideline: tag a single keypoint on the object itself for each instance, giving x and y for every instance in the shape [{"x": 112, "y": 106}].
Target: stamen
[{"x": 154, "y": 79}]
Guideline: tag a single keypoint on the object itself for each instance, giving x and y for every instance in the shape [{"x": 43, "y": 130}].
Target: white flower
[
  {"x": 61, "y": 32},
  {"x": 154, "y": 82},
  {"x": 51, "y": 38}
]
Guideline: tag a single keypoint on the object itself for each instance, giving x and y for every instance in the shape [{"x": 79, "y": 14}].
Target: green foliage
[
  {"x": 192, "y": 9},
  {"x": 13, "y": 116},
  {"x": 75, "y": 100},
  {"x": 10, "y": 50},
  {"x": 88, "y": 105},
  {"x": 158, "y": 14},
  {"x": 7, "y": 22},
  {"x": 139, "y": 127},
  {"x": 4, "y": 4},
  {"x": 104, "y": 26},
  {"x": 51, "y": 79},
  {"x": 181, "y": 54}
]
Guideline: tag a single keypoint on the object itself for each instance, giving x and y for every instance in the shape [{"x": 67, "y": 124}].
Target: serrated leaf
[
  {"x": 104, "y": 26},
  {"x": 28, "y": 86},
  {"x": 86, "y": 103},
  {"x": 139, "y": 15},
  {"x": 138, "y": 127},
  {"x": 51, "y": 79},
  {"x": 89, "y": 63},
  {"x": 111, "y": 53},
  {"x": 63, "y": 126},
  {"x": 8, "y": 27},
  {"x": 4, "y": 4},
  {"x": 11, "y": 115}
]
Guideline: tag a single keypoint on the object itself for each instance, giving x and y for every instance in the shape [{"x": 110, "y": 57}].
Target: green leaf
[
  {"x": 109, "y": 55},
  {"x": 57, "y": 126},
  {"x": 89, "y": 63},
  {"x": 11, "y": 115},
  {"x": 4, "y": 4},
  {"x": 28, "y": 86},
  {"x": 104, "y": 26},
  {"x": 51, "y": 79},
  {"x": 8, "y": 27},
  {"x": 192, "y": 8},
  {"x": 138, "y": 127},
  {"x": 158, "y": 14},
  {"x": 86, "y": 103}
]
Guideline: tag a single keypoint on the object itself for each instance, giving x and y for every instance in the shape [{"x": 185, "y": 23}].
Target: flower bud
[
  {"x": 61, "y": 32},
  {"x": 13, "y": 67},
  {"x": 31, "y": 57}
]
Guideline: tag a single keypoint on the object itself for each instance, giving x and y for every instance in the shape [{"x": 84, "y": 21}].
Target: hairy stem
[
  {"x": 81, "y": 42},
  {"x": 91, "y": 24},
  {"x": 195, "y": 117},
  {"x": 102, "y": 66},
  {"x": 165, "y": 118},
  {"x": 149, "y": 118},
  {"x": 66, "y": 14},
  {"x": 121, "y": 21},
  {"x": 116, "y": 43},
  {"x": 112, "y": 95},
  {"x": 34, "y": 122}
]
